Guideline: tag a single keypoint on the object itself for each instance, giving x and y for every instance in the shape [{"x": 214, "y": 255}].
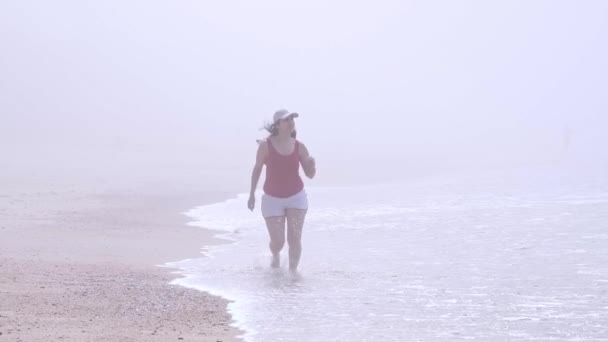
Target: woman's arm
[
  {"x": 308, "y": 163},
  {"x": 260, "y": 159}
]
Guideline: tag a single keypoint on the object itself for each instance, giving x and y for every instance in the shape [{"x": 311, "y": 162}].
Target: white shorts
[{"x": 275, "y": 206}]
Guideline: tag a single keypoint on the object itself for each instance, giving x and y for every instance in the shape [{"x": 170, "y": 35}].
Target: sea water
[{"x": 484, "y": 258}]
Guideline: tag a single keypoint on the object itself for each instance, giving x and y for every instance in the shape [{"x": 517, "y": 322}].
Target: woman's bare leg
[
  {"x": 295, "y": 223},
  {"x": 276, "y": 231}
]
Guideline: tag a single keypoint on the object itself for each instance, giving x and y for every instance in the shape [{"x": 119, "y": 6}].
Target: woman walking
[{"x": 284, "y": 200}]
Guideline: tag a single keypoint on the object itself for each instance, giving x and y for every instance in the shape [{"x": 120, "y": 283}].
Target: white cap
[{"x": 283, "y": 114}]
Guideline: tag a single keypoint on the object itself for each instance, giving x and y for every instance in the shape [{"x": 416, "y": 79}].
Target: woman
[{"x": 284, "y": 199}]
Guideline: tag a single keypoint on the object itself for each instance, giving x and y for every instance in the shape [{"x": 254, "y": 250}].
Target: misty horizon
[{"x": 414, "y": 87}]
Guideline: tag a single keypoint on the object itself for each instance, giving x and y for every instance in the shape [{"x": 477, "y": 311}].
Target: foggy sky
[{"x": 400, "y": 85}]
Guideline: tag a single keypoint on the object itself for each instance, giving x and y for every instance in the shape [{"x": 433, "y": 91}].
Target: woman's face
[{"x": 288, "y": 124}]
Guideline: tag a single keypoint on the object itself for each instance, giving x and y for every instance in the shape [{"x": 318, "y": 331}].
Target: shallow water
[{"x": 518, "y": 258}]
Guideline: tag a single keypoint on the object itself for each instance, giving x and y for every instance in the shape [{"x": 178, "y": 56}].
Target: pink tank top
[{"x": 282, "y": 173}]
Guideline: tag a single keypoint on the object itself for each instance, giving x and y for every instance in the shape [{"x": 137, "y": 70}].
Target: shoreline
[{"x": 84, "y": 265}]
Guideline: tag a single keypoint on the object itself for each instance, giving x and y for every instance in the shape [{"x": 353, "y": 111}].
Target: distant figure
[{"x": 284, "y": 199}]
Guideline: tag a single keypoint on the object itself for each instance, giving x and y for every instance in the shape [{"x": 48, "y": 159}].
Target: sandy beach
[{"x": 82, "y": 265}]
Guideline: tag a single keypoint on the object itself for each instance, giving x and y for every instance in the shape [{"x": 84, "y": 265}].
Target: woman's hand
[
  {"x": 311, "y": 162},
  {"x": 310, "y": 167},
  {"x": 251, "y": 202},
  {"x": 308, "y": 162}
]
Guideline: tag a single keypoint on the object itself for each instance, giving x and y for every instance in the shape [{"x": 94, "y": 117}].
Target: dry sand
[{"x": 81, "y": 265}]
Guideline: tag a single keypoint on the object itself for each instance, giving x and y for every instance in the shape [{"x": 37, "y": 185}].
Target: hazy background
[{"x": 175, "y": 90}]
